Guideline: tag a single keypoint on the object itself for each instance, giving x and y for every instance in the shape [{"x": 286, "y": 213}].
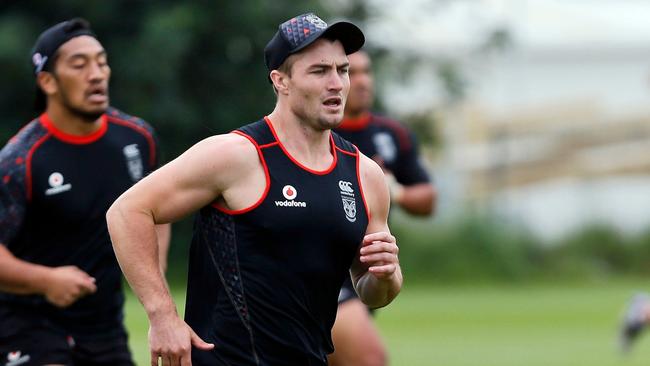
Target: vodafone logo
[
  {"x": 289, "y": 192},
  {"x": 16, "y": 358},
  {"x": 56, "y": 179},
  {"x": 56, "y": 184}
]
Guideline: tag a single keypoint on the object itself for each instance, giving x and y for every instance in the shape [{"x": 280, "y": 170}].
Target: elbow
[
  {"x": 112, "y": 214},
  {"x": 424, "y": 204},
  {"x": 432, "y": 203}
]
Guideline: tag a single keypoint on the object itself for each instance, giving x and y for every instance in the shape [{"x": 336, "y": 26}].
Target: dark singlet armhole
[{"x": 266, "y": 175}]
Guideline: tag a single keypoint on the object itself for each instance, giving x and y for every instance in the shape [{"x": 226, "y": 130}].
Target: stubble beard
[{"x": 84, "y": 115}]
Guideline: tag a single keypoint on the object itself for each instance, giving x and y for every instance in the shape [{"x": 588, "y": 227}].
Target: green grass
[{"x": 525, "y": 325}]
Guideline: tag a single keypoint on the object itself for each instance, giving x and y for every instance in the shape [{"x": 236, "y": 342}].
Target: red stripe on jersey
[
  {"x": 74, "y": 139},
  {"x": 266, "y": 175},
  {"x": 28, "y": 166},
  {"x": 363, "y": 197},
  {"x": 144, "y": 132},
  {"x": 317, "y": 172},
  {"x": 346, "y": 152}
]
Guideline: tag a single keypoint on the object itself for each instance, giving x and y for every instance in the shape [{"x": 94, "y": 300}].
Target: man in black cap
[
  {"x": 288, "y": 210},
  {"x": 60, "y": 285}
]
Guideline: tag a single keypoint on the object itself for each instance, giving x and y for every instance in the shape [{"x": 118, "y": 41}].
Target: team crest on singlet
[
  {"x": 385, "y": 146},
  {"x": 133, "y": 161},
  {"x": 349, "y": 203}
]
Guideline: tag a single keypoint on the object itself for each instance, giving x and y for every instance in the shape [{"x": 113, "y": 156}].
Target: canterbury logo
[{"x": 346, "y": 187}]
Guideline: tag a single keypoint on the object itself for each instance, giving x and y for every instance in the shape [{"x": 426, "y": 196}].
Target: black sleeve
[
  {"x": 409, "y": 169},
  {"x": 13, "y": 200}
]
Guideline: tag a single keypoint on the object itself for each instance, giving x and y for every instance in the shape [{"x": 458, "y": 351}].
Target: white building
[{"x": 554, "y": 131}]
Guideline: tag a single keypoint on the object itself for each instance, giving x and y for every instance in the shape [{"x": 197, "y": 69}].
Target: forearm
[
  {"x": 377, "y": 293},
  {"x": 419, "y": 199},
  {"x": 21, "y": 277},
  {"x": 164, "y": 233},
  {"x": 135, "y": 242}
]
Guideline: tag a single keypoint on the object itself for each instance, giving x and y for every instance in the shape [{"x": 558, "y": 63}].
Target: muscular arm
[
  {"x": 376, "y": 273},
  {"x": 164, "y": 234},
  {"x": 204, "y": 173}
]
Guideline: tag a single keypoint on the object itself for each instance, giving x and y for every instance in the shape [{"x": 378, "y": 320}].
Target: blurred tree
[{"x": 192, "y": 68}]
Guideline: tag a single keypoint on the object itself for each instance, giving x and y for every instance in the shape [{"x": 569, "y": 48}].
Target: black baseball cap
[
  {"x": 299, "y": 32},
  {"x": 49, "y": 42}
]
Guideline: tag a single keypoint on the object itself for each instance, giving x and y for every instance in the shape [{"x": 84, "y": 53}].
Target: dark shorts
[
  {"x": 347, "y": 291},
  {"x": 27, "y": 341}
]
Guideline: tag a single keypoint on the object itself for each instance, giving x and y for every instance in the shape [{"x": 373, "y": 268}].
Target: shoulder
[
  {"x": 28, "y": 138},
  {"x": 15, "y": 154},
  {"x": 230, "y": 148},
  {"x": 118, "y": 117},
  {"x": 374, "y": 184}
]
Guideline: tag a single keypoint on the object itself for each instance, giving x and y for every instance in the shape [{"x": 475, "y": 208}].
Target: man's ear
[
  {"x": 280, "y": 81},
  {"x": 46, "y": 81}
]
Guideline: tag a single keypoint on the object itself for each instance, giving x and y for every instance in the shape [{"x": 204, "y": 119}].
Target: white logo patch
[
  {"x": 39, "y": 61},
  {"x": 385, "y": 146},
  {"x": 16, "y": 358},
  {"x": 133, "y": 161},
  {"x": 56, "y": 184},
  {"x": 349, "y": 203},
  {"x": 316, "y": 21},
  {"x": 290, "y": 193}
]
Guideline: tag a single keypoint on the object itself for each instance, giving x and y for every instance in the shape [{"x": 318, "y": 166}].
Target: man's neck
[
  {"x": 72, "y": 123},
  {"x": 311, "y": 147}
]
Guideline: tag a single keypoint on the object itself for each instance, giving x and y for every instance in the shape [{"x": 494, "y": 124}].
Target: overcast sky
[{"x": 461, "y": 24}]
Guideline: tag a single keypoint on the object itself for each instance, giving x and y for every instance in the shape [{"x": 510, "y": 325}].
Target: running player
[
  {"x": 635, "y": 320},
  {"x": 394, "y": 147},
  {"x": 287, "y": 210},
  {"x": 60, "y": 285}
]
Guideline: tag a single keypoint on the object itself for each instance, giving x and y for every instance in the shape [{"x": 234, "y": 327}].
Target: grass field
[{"x": 489, "y": 325}]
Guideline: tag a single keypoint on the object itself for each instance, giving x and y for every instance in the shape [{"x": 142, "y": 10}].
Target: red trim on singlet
[
  {"x": 355, "y": 124},
  {"x": 266, "y": 174},
  {"x": 28, "y": 166},
  {"x": 317, "y": 172},
  {"x": 74, "y": 139},
  {"x": 363, "y": 196},
  {"x": 269, "y": 145},
  {"x": 345, "y": 152},
  {"x": 141, "y": 130}
]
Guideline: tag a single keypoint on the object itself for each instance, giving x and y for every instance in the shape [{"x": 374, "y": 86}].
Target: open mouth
[
  {"x": 333, "y": 102},
  {"x": 97, "y": 94}
]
